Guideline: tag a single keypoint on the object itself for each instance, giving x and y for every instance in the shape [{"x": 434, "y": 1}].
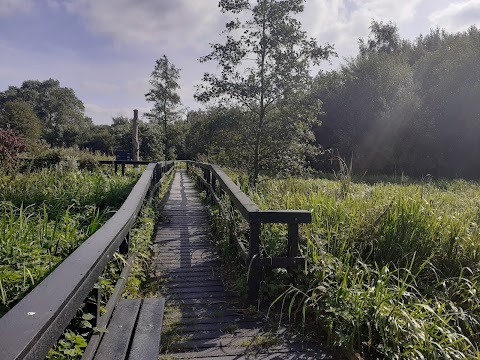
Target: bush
[
  {"x": 10, "y": 145},
  {"x": 65, "y": 158}
]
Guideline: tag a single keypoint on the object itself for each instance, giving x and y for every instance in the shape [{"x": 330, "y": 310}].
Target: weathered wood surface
[{"x": 203, "y": 320}]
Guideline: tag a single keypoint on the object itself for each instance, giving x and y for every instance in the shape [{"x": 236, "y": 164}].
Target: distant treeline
[
  {"x": 399, "y": 106},
  {"x": 43, "y": 113},
  {"x": 406, "y": 106}
]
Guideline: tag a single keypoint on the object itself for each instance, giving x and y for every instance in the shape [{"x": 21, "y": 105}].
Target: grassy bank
[{"x": 392, "y": 270}]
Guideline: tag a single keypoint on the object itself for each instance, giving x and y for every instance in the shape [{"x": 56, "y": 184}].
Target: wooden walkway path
[{"x": 203, "y": 320}]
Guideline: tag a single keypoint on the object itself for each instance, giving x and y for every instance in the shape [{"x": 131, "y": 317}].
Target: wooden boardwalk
[{"x": 203, "y": 320}]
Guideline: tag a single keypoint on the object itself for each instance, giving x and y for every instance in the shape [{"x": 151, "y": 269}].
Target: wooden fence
[
  {"x": 29, "y": 329},
  {"x": 215, "y": 182}
]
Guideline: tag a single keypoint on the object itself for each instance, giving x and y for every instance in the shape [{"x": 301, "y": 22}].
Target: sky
[{"x": 105, "y": 50}]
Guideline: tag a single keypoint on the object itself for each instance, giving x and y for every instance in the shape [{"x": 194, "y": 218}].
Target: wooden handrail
[
  {"x": 123, "y": 163},
  {"x": 255, "y": 217},
  {"x": 31, "y": 327}
]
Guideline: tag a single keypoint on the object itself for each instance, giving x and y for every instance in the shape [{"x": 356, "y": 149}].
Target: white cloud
[
  {"x": 343, "y": 22},
  {"x": 174, "y": 23},
  {"x": 457, "y": 16},
  {"x": 8, "y": 7},
  {"x": 399, "y": 11}
]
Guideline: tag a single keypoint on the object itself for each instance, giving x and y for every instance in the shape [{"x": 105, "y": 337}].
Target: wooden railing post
[
  {"x": 125, "y": 245},
  {"x": 214, "y": 183},
  {"x": 253, "y": 268},
  {"x": 292, "y": 240},
  {"x": 97, "y": 294}
]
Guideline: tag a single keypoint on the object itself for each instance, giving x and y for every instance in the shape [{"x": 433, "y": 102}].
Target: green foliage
[
  {"x": 226, "y": 136},
  {"x": 61, "y": 158},
  {"x": 392, "y": 270},
  {"x": 163, "y": 95},
  {"x": 59, "y": 110},
  {"x": 151, "y": 138},
  {"x": 70, "y": 347},
  {"x": 385, "y": 39},
  {"x": 44, "y": 216},
  {"x": 265, "y": 62},
  {"x": 99, "y": 139},
  {"x": 404, "y": 106},
  {"x": 19, "y": 116}
]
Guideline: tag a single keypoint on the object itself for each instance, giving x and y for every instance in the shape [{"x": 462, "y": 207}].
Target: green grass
[
  {"x": 44, "y": 216},
  {"x": 392, "y": 270}
]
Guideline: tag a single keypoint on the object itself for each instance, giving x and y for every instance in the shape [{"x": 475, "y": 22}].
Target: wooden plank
[
  {"x": 292, "y": 352},
  {"x": 199, "y": 296},
  {"x": 199, "y": 289},
  {"x": 116, "y": 341},
  {"x": 282, "y": 262},
  {"x": 109, "y": 308},
  {"x": 146, "y": 340},
  {"x": 292, "y": 240},
  {"x": 213, "y": 318},
  {"x": 305, "y": 355},
  {"x": 224, "y": 328},
  {"x": 281, "y": 217},
  {"x": 126, "y": 162},
  {"x": 203, "y": 302}
]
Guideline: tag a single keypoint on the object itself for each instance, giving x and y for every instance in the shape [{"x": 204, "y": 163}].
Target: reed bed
[{"x": 392, "y": 270}]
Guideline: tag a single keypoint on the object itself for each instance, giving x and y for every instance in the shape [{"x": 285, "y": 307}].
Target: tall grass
[
  {"x": 60, "y": 188},
  {"x": 392, "y": 270},
  {"x": 44, "y": 216}
]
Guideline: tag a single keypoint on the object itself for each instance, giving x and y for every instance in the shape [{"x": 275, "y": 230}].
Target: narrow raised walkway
[{"x": 203, "y": 320}]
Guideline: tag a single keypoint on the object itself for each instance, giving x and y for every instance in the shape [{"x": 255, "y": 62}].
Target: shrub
[{"x": 10, "y": 145}]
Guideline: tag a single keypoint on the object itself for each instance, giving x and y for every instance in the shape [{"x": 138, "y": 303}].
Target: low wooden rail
[
  {"x": 122, "y": 163},
  {"x": 30, "y": 329},
  {"x": 215, "y": 180}
]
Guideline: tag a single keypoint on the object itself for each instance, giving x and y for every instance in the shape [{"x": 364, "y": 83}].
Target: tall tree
[
  {"x": 57, "y": 107},
  {"x": 163, "y": 94},
  {"x": 19, "y": 116},
  {"x": 265, "y": 60}
]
